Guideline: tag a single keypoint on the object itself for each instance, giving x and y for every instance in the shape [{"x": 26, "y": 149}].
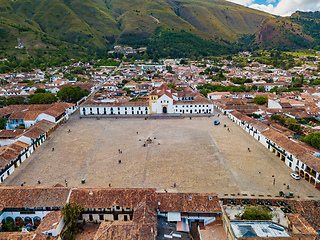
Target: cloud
[
  {"x": 284, "y": 7},
  {"x": 287, "y": 7},
  {"x": 242, "y": 2}
]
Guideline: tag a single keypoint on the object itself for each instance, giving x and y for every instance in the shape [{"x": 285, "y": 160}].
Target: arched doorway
[
  {"x": 164, "y": 109},
  {"x": 28, "y": 220},
  {"x": 37, "y": 221},
  {"x": 19, "y": 221}
]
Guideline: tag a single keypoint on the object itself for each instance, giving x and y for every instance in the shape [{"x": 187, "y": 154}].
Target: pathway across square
[{"x": 194, "y": 154}]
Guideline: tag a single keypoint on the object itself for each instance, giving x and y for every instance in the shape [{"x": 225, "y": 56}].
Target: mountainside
[
  {"x": 300, "y": 30},
  {"x": 79, "y": 25}
]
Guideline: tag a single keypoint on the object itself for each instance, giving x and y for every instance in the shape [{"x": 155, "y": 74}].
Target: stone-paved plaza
[{"x": 192, "y": 154}]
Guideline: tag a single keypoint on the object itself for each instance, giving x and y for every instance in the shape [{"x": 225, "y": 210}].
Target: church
[{"x": 162, "y": 100}]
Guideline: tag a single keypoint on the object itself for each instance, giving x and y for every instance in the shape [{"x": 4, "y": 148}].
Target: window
[
  {"x": 90, "y": 217},
  {"x": 105, "y": 111},
  {"x": 101, "y": 217}
]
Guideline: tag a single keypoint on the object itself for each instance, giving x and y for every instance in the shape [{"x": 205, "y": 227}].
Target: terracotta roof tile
[
  {"x": 188, "y": 202},
  {"x": 125, "y": 230},
  {"x": 17, "y": 197},
  {"x": 50, "y": 221},
  {"x": 11, "y": 133},
  {"x": 106, "y": 198},
  {"x": 301, "y": 224}
]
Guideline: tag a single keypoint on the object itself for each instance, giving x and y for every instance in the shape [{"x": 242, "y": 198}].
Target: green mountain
[
  {"x": 79, "y": 26},
  {"x": 300, "y": 30}
]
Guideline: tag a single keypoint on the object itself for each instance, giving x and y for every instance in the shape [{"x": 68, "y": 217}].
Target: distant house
[{"x": 28, "y": 115}]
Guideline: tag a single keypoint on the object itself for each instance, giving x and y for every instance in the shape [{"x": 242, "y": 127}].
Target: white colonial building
[
  {"x": 299, "y": 158},
  {"x": 162, "y": 100}
]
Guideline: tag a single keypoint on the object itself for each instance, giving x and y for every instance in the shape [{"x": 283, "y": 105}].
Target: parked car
[{"x": 295, "y": 176}]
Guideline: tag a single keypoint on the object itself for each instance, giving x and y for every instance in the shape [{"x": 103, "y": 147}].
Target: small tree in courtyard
[
  {"x": 71, "y": 212},
  {"x": 257, "y": 213}
]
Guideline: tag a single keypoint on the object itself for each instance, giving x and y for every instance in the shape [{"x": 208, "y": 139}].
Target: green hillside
[
  {"x": 301, "y": 30},
  {"x": 76, "y": 26}
]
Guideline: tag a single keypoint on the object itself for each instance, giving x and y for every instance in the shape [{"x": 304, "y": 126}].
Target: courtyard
[{"x": 184, "y": 155}]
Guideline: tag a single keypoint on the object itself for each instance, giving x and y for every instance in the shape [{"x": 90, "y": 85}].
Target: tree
[
  {"x": 312, "y": 139},
  {"x": 124, "y": 81},
  {"x": 40, "y": 90},
  {"x": 42, "y": 98},
  {"x": 275, "y": 117},
  {"x": 261, "y": 89},
  {"x": 127, "y": 90},
  {"x": 183, "y": 62},
  {"x": 257, "y": 213},
  {"x": 71, "y": 212},
  {"x": 260, "y": 100},
  {"x": 296, "y": 127},
  {"x": 18, "y": 100},
  {"x": 72, "y": 94},
  {"x": 254, "y": 87},
  {"x": 3, "y": 123}
]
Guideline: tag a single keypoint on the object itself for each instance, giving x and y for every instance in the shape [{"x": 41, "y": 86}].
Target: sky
[{"x": 281, "y": 7}]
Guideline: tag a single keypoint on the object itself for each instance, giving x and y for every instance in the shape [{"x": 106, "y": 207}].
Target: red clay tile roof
[
  {"x": 108, "y": 197},
  {"x": 50, "y": 221},
  {"x": 25, "y": 197},
  {"x": 5, "y": 111},
  {"x": 38, "y": 129},
  {"x": 125, "y": 230},
  {"x": 188, "y": 202},
  {"x": 16, "y": 236},
  {"x": 301, "y": 224},
  {"x": 31, "y": 112},
  {"x": 11, "y": 133}
]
